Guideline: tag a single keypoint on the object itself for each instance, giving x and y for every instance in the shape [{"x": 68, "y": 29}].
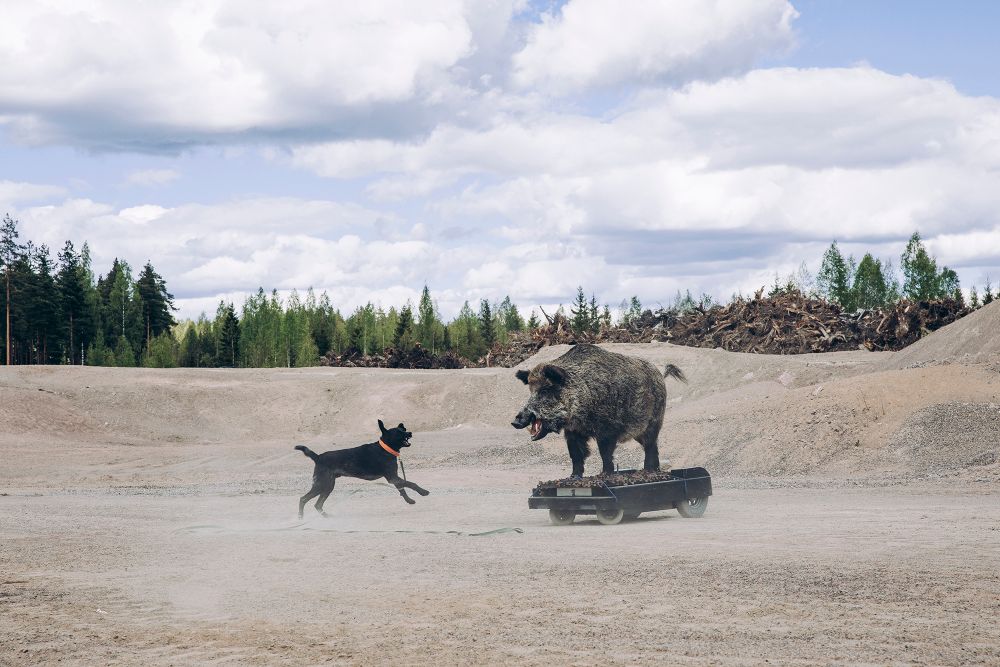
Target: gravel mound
[{"x": 949, "y": 435}]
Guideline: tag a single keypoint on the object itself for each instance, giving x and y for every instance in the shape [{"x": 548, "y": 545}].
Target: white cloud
[
  {"x": 13, "y": 192},
  {"x": 117, "y": 74},
  {"x": 593, "y": 43},
  {"x": 461, "y": 165}
]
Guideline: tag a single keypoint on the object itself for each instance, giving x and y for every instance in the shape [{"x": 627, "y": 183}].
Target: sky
[{"x": 500, "y": 147}]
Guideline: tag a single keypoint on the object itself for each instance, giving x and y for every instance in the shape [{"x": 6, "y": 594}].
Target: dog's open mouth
[{"x": 537, "y": 430}]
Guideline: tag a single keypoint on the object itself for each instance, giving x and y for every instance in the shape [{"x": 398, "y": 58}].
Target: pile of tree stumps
[{"x": 785, "y": 323}]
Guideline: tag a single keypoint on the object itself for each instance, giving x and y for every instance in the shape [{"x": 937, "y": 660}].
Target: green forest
[{"x": 58, "y": 311}]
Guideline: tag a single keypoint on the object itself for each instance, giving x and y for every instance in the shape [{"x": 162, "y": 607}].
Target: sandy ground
[{"x": 148, "y": 517}]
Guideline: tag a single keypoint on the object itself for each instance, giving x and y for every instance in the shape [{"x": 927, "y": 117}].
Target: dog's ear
[
  {"x": 554, "y": 374},
  {"x": 381, "y": 426},
  {"x": 522, "y": 375},
  {"x": 401, "y": 427}
]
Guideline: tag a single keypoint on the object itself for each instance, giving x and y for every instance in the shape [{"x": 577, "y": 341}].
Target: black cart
[{"x": 687, "y": 491}]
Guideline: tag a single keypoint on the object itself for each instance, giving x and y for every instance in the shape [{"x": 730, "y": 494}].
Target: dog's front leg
[{"x": 401, "y": 487}]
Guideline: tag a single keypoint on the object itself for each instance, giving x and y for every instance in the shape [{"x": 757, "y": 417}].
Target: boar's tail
[
  {"x": 308, "y": 452},
  {"x": 672, "y": 371}
]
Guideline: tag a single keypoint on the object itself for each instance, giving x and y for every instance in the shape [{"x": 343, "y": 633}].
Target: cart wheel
[
  {"x": 610, "y": 517},
  {"x": 692, "y": 508},
  {"x": 632, "y": 516},
  {"x": 561, "y": 517}
]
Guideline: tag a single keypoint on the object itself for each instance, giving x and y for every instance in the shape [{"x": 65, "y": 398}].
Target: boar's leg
[
  {"x": 648, "y": 440},
  {"x": 607, "y": 448},
  {"x": 577, "y": 446}
]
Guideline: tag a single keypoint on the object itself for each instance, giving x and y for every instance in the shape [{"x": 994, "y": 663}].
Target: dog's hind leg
[
  {"x": 313, "y": 492},
  {"x": 417, "y": 488},
  {"x": 322, "y": 486},
  {"x": 324, "y": 494}
]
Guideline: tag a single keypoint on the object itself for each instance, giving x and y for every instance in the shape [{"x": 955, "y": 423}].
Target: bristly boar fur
[{"x": 592, "y": 393}]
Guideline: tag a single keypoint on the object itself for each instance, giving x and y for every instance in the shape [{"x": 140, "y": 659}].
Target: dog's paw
[
  {"x": 424, "y": 492},
  {"x": 410, "y": 501}
]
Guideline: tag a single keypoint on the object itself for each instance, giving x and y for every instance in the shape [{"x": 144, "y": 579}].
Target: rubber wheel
[
  {"x": 610, "y": 517},
  {"x": 561, "y": 517},
  {"x": 692, "y": 508}
]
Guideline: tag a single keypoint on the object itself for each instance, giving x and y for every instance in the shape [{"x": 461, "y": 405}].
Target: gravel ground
[{"x": 149, "y": 518}]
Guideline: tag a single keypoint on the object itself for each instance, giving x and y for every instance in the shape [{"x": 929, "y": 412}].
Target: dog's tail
[
  {"x": 308, "y": 452},
  {"x": 674, "y": 372}
]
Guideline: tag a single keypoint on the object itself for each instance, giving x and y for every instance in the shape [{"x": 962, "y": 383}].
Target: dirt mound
[{"x": 973, "y": 338}]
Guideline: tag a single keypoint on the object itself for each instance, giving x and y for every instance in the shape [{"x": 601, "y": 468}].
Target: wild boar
[{"x": 589, "y": 393}]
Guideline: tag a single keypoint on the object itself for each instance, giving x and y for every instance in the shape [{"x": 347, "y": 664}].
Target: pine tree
[
  {"x": 533, "y": 321},
  {"x": 403, "y": 338},
  {"x": 227, "y": 340},
  {"x": 427, "y": 321},
  {"x": 155, "y": 302},
  {"x": 42, "y": 305},
  {"x": 508, "y": 315},
  {"x": 973, "y": 298},
  {"x": 487, "y": 330},
  {"x": 76, "y": 305},
  {"x": 593, "y": 315},
  {"x": 987, "y": 292},
  {"x": 580, "y": 310},
  {"x": 10, "y": 251}
]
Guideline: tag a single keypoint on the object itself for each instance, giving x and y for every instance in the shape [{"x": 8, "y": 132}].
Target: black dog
[{"x": 371, "y": 461}]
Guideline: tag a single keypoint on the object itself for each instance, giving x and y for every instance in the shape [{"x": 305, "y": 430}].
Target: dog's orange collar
[{"x": 388, "y": 448}]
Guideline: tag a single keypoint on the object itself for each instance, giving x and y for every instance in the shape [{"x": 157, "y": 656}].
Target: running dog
[{"x": 369, "y": 461}]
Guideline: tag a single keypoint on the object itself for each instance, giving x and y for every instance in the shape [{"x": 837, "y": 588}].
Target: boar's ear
[
  {"x": 556, "y": 375},
  {"x": 522, "y": 375},
  {"x": 381, "y": 426}
]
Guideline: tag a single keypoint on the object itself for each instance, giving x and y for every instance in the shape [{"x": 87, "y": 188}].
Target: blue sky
[{"x": 501, "y": 148}]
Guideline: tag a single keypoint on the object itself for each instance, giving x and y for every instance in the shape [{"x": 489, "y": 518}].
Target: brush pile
[
  {"x": 599, "y": 481},
  {"x": 787, "y": 323},
  {"x": 417, "y": 357}
]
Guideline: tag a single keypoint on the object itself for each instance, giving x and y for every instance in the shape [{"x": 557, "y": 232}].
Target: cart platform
[{"x": 687, "y": 490}]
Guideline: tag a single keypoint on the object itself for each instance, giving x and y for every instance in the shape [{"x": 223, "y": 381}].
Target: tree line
[
  {"x": 269, "y": 331},
  {"x": 56, "y": 312}
]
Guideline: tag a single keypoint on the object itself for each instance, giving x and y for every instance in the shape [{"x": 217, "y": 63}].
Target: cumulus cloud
[
  {"x": 467, "y": 157},
  {"x": 768, "y": 166},
  {"x": 115, "y": 74},
  {"x": 592, "y": 43}
]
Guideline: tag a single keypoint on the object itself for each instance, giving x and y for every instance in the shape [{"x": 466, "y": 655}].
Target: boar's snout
[{"x": 523, "y": 419}]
